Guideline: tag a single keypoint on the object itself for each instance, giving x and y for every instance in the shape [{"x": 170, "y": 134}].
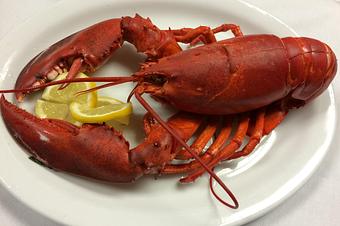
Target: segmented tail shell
[{"x": 312, "y": 66}]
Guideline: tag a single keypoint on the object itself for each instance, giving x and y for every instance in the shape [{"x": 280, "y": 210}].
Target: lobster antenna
[
  {"x": 112, "y": 80},
  {"x": 235, "y": 204},
  {"x": 97, "y": 88}
]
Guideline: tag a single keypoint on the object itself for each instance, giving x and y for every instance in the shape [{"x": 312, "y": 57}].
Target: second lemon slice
[
  {"x": 67, "y": 95},
  {"x": 101, "y": 113},
  {"x": 104, "y": 100}
]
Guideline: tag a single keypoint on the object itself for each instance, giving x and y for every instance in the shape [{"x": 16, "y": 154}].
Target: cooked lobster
[{"x": 253, "y": 80}]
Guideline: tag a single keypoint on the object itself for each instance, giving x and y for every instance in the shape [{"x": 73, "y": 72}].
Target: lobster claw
[
  {"x": 75, "y": 53},
  {"x": 95, "y": 151}
]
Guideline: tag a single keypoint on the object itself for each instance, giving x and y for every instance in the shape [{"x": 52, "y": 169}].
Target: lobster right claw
[
  {"x": 105, "y": 37},
  {"x": 95, "y": 151}
]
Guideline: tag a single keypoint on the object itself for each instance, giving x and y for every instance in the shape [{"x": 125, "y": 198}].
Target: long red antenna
[
  {"x": 112, "y": 80},
  {"x": 235, "y": 204}
]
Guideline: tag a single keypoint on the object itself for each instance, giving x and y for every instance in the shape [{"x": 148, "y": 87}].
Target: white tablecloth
[{"x": 317, "y": 202}]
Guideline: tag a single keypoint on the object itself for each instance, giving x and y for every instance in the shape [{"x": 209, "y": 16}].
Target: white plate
[{"x": 280, "y": 165}]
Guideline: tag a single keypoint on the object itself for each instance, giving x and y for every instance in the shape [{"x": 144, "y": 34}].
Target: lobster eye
[
  {"x": 156, "y": 145},
  {"x": 159, "y": 80},
  {"x": 156, "y": 79}
]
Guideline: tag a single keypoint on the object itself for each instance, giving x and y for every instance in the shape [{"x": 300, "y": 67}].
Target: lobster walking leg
[
  {"x": 275, "y": 114},
  {"x": 255, "y": 137},
  {"x": 188, "y": 35},
  {"x": 202, "y": 139},
  {"x": 265, "y": 120},
  {"x": 215, "y": 149},
  {"x": 204, "y": 33},
  {"x": 235, "y": 29},
  {"x": 234, "y": 144},
  {"x": 222, "y": 137}
]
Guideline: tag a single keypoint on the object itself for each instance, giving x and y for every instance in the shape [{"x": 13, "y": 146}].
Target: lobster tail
[{"x": 312, "y": 64}]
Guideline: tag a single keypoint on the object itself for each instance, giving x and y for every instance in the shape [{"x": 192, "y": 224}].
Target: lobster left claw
[{"x": 95, "y": 151}]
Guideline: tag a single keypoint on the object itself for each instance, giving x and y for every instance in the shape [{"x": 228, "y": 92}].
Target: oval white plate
[{"x": 280, "y": 165}]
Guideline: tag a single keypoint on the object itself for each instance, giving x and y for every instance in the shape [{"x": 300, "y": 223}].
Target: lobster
[{"x": 252, "y": 80}]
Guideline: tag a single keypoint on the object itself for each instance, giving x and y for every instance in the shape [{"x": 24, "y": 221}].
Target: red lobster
[{"x": 254, "y": 79}]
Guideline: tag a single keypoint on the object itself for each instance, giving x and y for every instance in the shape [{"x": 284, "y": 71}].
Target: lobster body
[{"x": 242, "y": 74}]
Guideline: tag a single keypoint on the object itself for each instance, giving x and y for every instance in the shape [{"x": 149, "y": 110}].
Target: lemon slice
[
  {"x": 46, "y": 109},
  {"x": 63, "y": 104},
  {"x": 67, "y": 95},
  {"x": 52, "y": 110},
  {"x": 70, "y": 119},
  {"x": 103, "y": 100},
  {"x": 84, "y": 113}
]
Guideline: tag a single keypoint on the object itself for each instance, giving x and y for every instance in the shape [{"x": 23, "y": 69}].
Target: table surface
[{"x": 317, "y": 202}]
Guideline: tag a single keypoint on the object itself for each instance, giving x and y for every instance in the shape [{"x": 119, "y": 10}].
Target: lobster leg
[
  {"x": 188, "y": 35},
  {"x": 235, "y": 29},
  {"x": 204, "y": 33},
  {"x": 234, "y": 144},
  {"x": 217, "y": 144},
  {"x": 274, "y": 116},
  {"x": 202, "y": 139},
  {"x": 222, "y": 137},
  {"x": 255, "y": 137},
  {"x": 265, "y": 122},
  {"x": 212, "y": 155}
]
